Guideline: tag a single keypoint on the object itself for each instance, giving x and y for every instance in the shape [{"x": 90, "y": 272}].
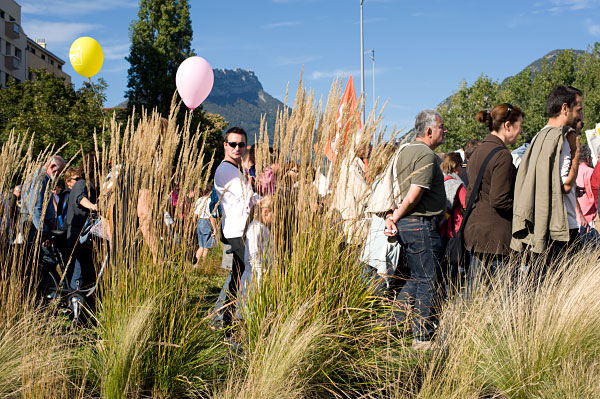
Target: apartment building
[
  {"x": 18, "y": 53},
  {"x": 39, "y": 57},
  {"x": 13, "y": 43}
]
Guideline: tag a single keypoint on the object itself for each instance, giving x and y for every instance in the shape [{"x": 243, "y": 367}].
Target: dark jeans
[
  {"x": 230, "y": 288},
  {"x": 482, "y": 269},
  {"x": 424, "y": 252}
]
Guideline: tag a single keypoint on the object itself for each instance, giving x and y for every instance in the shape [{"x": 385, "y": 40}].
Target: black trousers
[{"x": 230, "y": 288}]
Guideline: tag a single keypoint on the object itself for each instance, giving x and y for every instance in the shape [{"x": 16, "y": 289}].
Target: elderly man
[
  {"x": 36, "y": 197},
  {"x": 545, "y": 216},
  {"x": 417, "y": 220}
]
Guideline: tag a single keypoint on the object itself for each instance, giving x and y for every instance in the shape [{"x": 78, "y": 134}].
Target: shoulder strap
[{"x": 476, "y": 187}]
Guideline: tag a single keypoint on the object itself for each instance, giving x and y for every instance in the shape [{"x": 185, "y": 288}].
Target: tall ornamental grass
[{"x": 313, "y": 327}]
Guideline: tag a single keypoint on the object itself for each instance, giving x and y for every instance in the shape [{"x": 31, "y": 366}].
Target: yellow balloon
[{"x": 86, "y": 56}]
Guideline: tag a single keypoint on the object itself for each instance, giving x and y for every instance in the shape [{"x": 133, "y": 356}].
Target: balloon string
[{"x": 95, "y": 94}]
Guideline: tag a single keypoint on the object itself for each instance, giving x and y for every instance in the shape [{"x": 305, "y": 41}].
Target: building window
[
  {"x": 17, "y": 53},
  {"x": 11, "y": 19},
  {"x": 60, "y": 67},
  {"x": 1, "y": 14},
  {"x": 30, "y": 75},
  {"x": 51, "y": 61},
  {"x": 43, "y": 56},
  {"x": 8, "y": 49},
  {"x": 32, "y": 50}
]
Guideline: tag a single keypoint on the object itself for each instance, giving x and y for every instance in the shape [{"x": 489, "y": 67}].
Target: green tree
[
  {"x": 160, "y": 41},
  {"x": 459, "y": 116},
  {"x": 528, "y": 90},
  {"x": 53, "y": 111}
]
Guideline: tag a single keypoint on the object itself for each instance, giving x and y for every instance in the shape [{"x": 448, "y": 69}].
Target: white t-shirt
[
  {"x": 201, "y": 207},
  {"x": 236, "y": 197},
  {"x": 571, "y": 198},
  {"x": 256, "y": 251}
]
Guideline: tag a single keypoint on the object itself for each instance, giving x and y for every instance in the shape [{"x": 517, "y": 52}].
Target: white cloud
[
  {"x": 571, "y": 5},
  {"x": 57, "y": 32},
  {"x": 334, "y": 74},
  {"x": 284, "y": 24},
  {"x": 349, "y": 71},
  {"x": 593, "y": 29},
  {"x": 116, "y": 52},
  {"x": 65, "y": 8}
]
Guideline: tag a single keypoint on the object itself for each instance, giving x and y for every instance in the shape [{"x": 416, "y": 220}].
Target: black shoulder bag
[{"x": 456, "y": 254}]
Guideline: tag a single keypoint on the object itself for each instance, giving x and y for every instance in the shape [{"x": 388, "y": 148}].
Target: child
[
  {"x": 205, "y": 229},
  {"x": 257, "y": 245}
]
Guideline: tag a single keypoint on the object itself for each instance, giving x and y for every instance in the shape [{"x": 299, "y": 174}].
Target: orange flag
[{"x": 348, "y": 100}]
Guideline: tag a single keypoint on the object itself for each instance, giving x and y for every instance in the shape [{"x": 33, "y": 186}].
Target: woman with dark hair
[
  {"x": 488, "y": 230},
  {"x": 82, "y": 201}
]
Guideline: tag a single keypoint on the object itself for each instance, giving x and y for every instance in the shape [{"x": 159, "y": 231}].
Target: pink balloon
[{"x": 194, "y": 81}]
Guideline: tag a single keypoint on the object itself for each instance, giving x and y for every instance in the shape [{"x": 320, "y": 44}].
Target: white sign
[{"x": 593, "y": 139}]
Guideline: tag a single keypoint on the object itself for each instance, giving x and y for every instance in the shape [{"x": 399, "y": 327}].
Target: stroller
[{"x": 53, "y": 286}]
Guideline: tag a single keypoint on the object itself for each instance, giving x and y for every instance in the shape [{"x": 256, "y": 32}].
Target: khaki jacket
[{"x": 539, "y": 214}]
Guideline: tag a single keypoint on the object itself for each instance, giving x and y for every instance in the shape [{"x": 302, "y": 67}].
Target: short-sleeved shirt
[
  {"x": 569, "y": 198},
  {"x": 418, "y": 165}
]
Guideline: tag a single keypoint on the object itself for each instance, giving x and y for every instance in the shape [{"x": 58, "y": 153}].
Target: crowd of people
[{"x": 540, "y": 199}]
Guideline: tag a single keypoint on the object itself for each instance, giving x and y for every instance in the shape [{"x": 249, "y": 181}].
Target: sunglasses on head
[
  {"x": 509, "y": 109},
  {"x": 233, "y": 144}
]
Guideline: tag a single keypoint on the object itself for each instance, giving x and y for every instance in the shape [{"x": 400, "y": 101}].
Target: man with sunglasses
[{"x": 235, "y": 196}]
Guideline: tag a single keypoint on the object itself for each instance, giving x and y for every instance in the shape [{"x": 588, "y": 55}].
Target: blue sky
[{"x": 423, "y": 49}]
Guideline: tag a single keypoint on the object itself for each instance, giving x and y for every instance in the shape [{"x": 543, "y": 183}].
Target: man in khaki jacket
[{"x": 547, "y": 216}]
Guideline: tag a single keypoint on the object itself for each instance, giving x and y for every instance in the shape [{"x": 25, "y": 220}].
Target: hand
[
  {"x": 582, "y": 222},
  {"x": 580, "y": 191},
  {"x": 390, "y": 227},
  {"x": 573, "y": 140},
  {"x": 94, "y": 207}
]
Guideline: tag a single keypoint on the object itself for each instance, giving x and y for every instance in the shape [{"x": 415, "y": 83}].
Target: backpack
[{"x": 386, "y": 194}]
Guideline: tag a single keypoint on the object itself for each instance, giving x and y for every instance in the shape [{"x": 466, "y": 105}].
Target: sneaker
[{"x": 418, "y": 345}]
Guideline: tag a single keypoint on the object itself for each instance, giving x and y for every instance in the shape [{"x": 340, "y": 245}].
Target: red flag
[{"x": 348, "y": 100}]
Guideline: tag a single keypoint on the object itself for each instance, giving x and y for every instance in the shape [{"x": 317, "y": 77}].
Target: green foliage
[
  {"x": 160, "y": 41},
  {"x": 527, "y": 90},
  {"x": 54, "y": 111}
]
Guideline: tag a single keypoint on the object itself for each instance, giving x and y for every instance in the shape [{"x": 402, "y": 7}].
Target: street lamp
[
  {"x": 372, "y": 57},
  {"x": 362, "y": 62}
]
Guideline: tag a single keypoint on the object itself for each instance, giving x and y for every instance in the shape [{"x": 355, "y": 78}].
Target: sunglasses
[
  {"x": 233, "y": 144},
  {"x": 508, "y": 111}
]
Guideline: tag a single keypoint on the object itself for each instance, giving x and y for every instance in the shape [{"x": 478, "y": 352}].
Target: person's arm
[
  {"x": 502, "y": 182},
  {"x": 213, "y": 224},
  {"x": 581, "y": 220},
  {"x": 86, "y": 203},
  {"x": 569, "y": 181},
  {"x": 412, "y": 198},
  {"x": 144, "y": 216}
]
